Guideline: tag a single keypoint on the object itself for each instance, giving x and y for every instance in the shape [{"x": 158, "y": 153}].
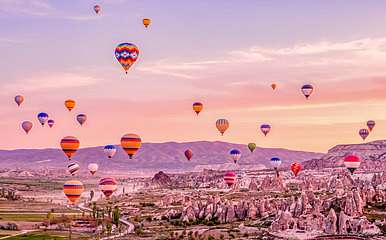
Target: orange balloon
[
  {"x": 273, "y": 86},
  {"x": 70, "y": 104},
  {"x": 146, "y": 22},
  {"x": 131, "y": 143},
  {"x": 69, "y": 146}
]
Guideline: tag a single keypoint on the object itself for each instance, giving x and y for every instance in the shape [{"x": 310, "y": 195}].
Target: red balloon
[
  {"x": 188, "y": 154},
  {"x": 296, "y": 168},
  {"x": 230, "y": 178}
]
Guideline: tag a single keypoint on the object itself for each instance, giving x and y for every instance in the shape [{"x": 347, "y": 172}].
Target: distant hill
[
  {"x": 152, "y": 156},
  {"x": 373, "y": 155}
]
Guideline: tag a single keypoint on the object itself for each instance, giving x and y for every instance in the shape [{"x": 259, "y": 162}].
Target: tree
[
  {"x": 94, "y": 210},
  {"x": 116, "y": 216}
]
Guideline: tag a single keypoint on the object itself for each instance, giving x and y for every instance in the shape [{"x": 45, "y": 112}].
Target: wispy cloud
[{"x": 27, "y": 7}]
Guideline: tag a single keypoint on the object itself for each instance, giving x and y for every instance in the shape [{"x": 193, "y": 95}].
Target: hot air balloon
[
  {"x": 126, "y": 54},
  {"x": 97, "y": 8},
  {"x": 146, "y": 22},
  {"x": 131, "y": 143},
  {"x": 19, "y": 99},
  {"x": 252, "y": 146},
  {"x": 26, "y": 125},
  {"x": 296, "y": 168},
  {"x": 81, "y": 118},
  {"x": 73, "y": 168},
  {"x": 307, "y": 90},
  {"x": 188, "y": 154},
  {"x": 275, "y": 162},
  {"x": 352, "y": 162},
  {"x": 230, "y": 178},
  {"x": 69, "y": 146},
  {"x": 70, "y": 104},
  {"x": 273, "y": 86},
  {"x": 108, "y": 186},
  {"x": 363, "y": 133},
  {"x": 42, "y": 117},
  {"x": 235, "y": 155},
  {"x": 265, "y": 128},
  {"x": 197, "y": 107},
  {"x": 93, "y": 167},
  {"x": 50, "y": 123},
  {"x": 109, "y": 150},
  {"x": 73, "y": 190},
  {"x": 222, "y": 125},
  {"x": 371, "y": 124}
]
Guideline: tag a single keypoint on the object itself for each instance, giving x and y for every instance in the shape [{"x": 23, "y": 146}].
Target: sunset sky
[{"x": 222, "y": 53}]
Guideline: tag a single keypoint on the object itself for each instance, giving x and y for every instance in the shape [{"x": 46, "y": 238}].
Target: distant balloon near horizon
[
  {"x": 69, "y": 145},
  {"x": 364, "y": 133},
  {"x": 50, "y": 123},
  {"x": 296, "y": 168},
  {"x": 222, "y": 125},
  {"x": 110, "y": 150},
  {"x": 69, "y": 104},
  {"x": 273, "y": 86},
  {"x": 197, "y": 107},
  {"x": 352, "y": 162},
  {"x": 97, "y": 8},
  {"x": 265, "y": 129},
  {"x": 81, "y": 118},
  {"x": 146, "y": 22},
  {"x": 230, "y": 178},
  {"x": 126, "y": 54},
  {"x": 251, "y": 147},
  {"x": 275, "y": 162},
  {"x": 307, "y": 90},
  {"x": 108, "y": 186},
  {"x": 370, "y": 125},
  {"x": 93, "y": 168},
  {"x": 188, "y": 154},
  {"x": 131, "y": 143},
  {"x": 42, "y": 117},
  {"x": 235, "y": 155},
  {"x": 73, "y": 168},
  {"x": 27, "y": 126},
  {"x": 73, "y": 189},
  {"x": 19, "y": 99}
]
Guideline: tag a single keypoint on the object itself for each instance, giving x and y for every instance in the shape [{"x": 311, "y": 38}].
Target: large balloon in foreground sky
[
  {"x": 296, "y": 168},
  {"x": 42, "y": 117},
  {"x": 19, "y": 99},
  {"x": 229, "y": 178},
  {"x": 363, "y": 133},
  {"x": 93, "y": 167},
  {"x": 108, "y": 186},
  {"x": 27, "y": 126},
  {"x": 127, "y": 55},
  {"x": 73, "y": 168},
  {"x": 50, "y": 123},
  {"x": 235, "y": 155},
  {"x": 370, "y": 125},
  {"x": 252, "y": 146},
  {"x": 131, "y": 143},
  {"x": 275, "y": 162},
  {"x": 70, "y": 145},
  {"x": 352, "y": 162},
  {"x": 307, "y": 90},
  {"x": 197, "y": 107},
  {"x": 146, "y": 22},
  {"x": 97, "y": 8},
  {"x": 69, "y": 104},
  {"x": 265, "y": 128},
  {"x": 73, "y": 189},
  {"x": 81, "y": 118},
  {"x": 110, "y": 150},
  {"x": 188, "y": 154},
  {"x": 222, "y": 125}
]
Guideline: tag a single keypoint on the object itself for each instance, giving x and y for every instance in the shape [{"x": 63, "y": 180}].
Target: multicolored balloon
[
  {"x": 230, "y": 178},
  {"x": 27, "y": 126},
  {"x": 127, "y": 55},
  {"x": 97, "y": 8},
  {"x": 19, "y": 99},
  {"x": 50, "y": 123},
  {"x": 197, "y": 107},
  {"x": 265, "y": 128},
  {"x": 352, "y": 162},
  {"x": 146, "y": 22},
  {"x": 81, "y": 118},
  {"x": 222, "y": 125},
  {"x": 73, "y": 168},
  {"x": 252, "y": 147},
  {"x": 188, "y": 154},
  {"x": 69, "y": 104},
  {"x": 307, "y": 90},
  {"x": 370, "y": 125},
  {"x": 275, "y": 162},
  {"x": 70, "y": 145},
  {"x": 296, "y": 168},
  {"x": 363, "y": 133},
  {"x": 93, "y": 168},
  {"x": 108, "y": 186},
  {"x": 73, "y": 189},
  {"x": 235, "y": 155},
  {"x": 110, "y": 150},
  {"x": 42, "y": 117},
  {"x": 131, "y": 143},
  {"x": 273, "y": 86}
]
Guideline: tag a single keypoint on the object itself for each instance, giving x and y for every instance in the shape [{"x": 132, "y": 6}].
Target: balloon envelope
[
  {"x": 27, "y": 126},
  {"x": 197, "y": 107},
  {"x": 265, "y": 128},
  {"x": 364, "y": 133},
  {"x": 252, "y": 146},
  {"x": 188, "y": 154},
  {"x": 97, "y": 8},
  {"x": 235, "y": 155},
  {"x": 146, "y": 22},
  {"x": 70, "y": 145},
  {"x": 73, "y": 189},
  {"x": 273, "y": 86},
  {"x": 131, "y": 143},
  {"x": 73, "y": 168},
  {"x": 42, "y": 117},
  {"x": 81, "y": 118},
  {"x": 275, "y": 162},
  {"x": 110, "y": 150},
  {"x": 50, "y": 123},
  {"x": 19, "y": 99},
  {"x": 296, "y": 168},
  {"x": 69, "y": 104},
  {"x": 93, "y": 167},
  {"x": 108, "y": 186},
  {"x": 352, "y": 162},
  {"x": 222, "y": 125},
  {"x": 126, "y": 54},
  {"x": 307, "y": 90},
  {"x": 230, "y": 178},
  {"x": 370, "y": 125}
]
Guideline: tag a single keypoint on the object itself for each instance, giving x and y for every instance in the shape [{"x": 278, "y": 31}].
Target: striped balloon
[
  {"x": 110, "y": 150},
  {"x": 197, "y": 107},
  {"x": 81, "y": 118},
  {"x": 69, "y": 104},
  {"x": 235, "y": 155},
  {"x": 296, "y": 168},
  {"x": 222, "y": 125},
  {"x": 307, "y": 90},
  {"x": 275, "y": 162},
  {"x": 370, "y": 125},
  {"x": 131, "y": 143},
  {"x": 352, "y": 162},
  {"x": 73, "y": 168},
  {"x": 69, "y": 146},
  {"x": 230, "y": 178},
  {"x": 126, "y": 54},
  {"x": 265, "y": 128},
  {"x": 363, "y": 133},
  {"x": 73, "y": 190},
  {"x": 108, "y": 186}
]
